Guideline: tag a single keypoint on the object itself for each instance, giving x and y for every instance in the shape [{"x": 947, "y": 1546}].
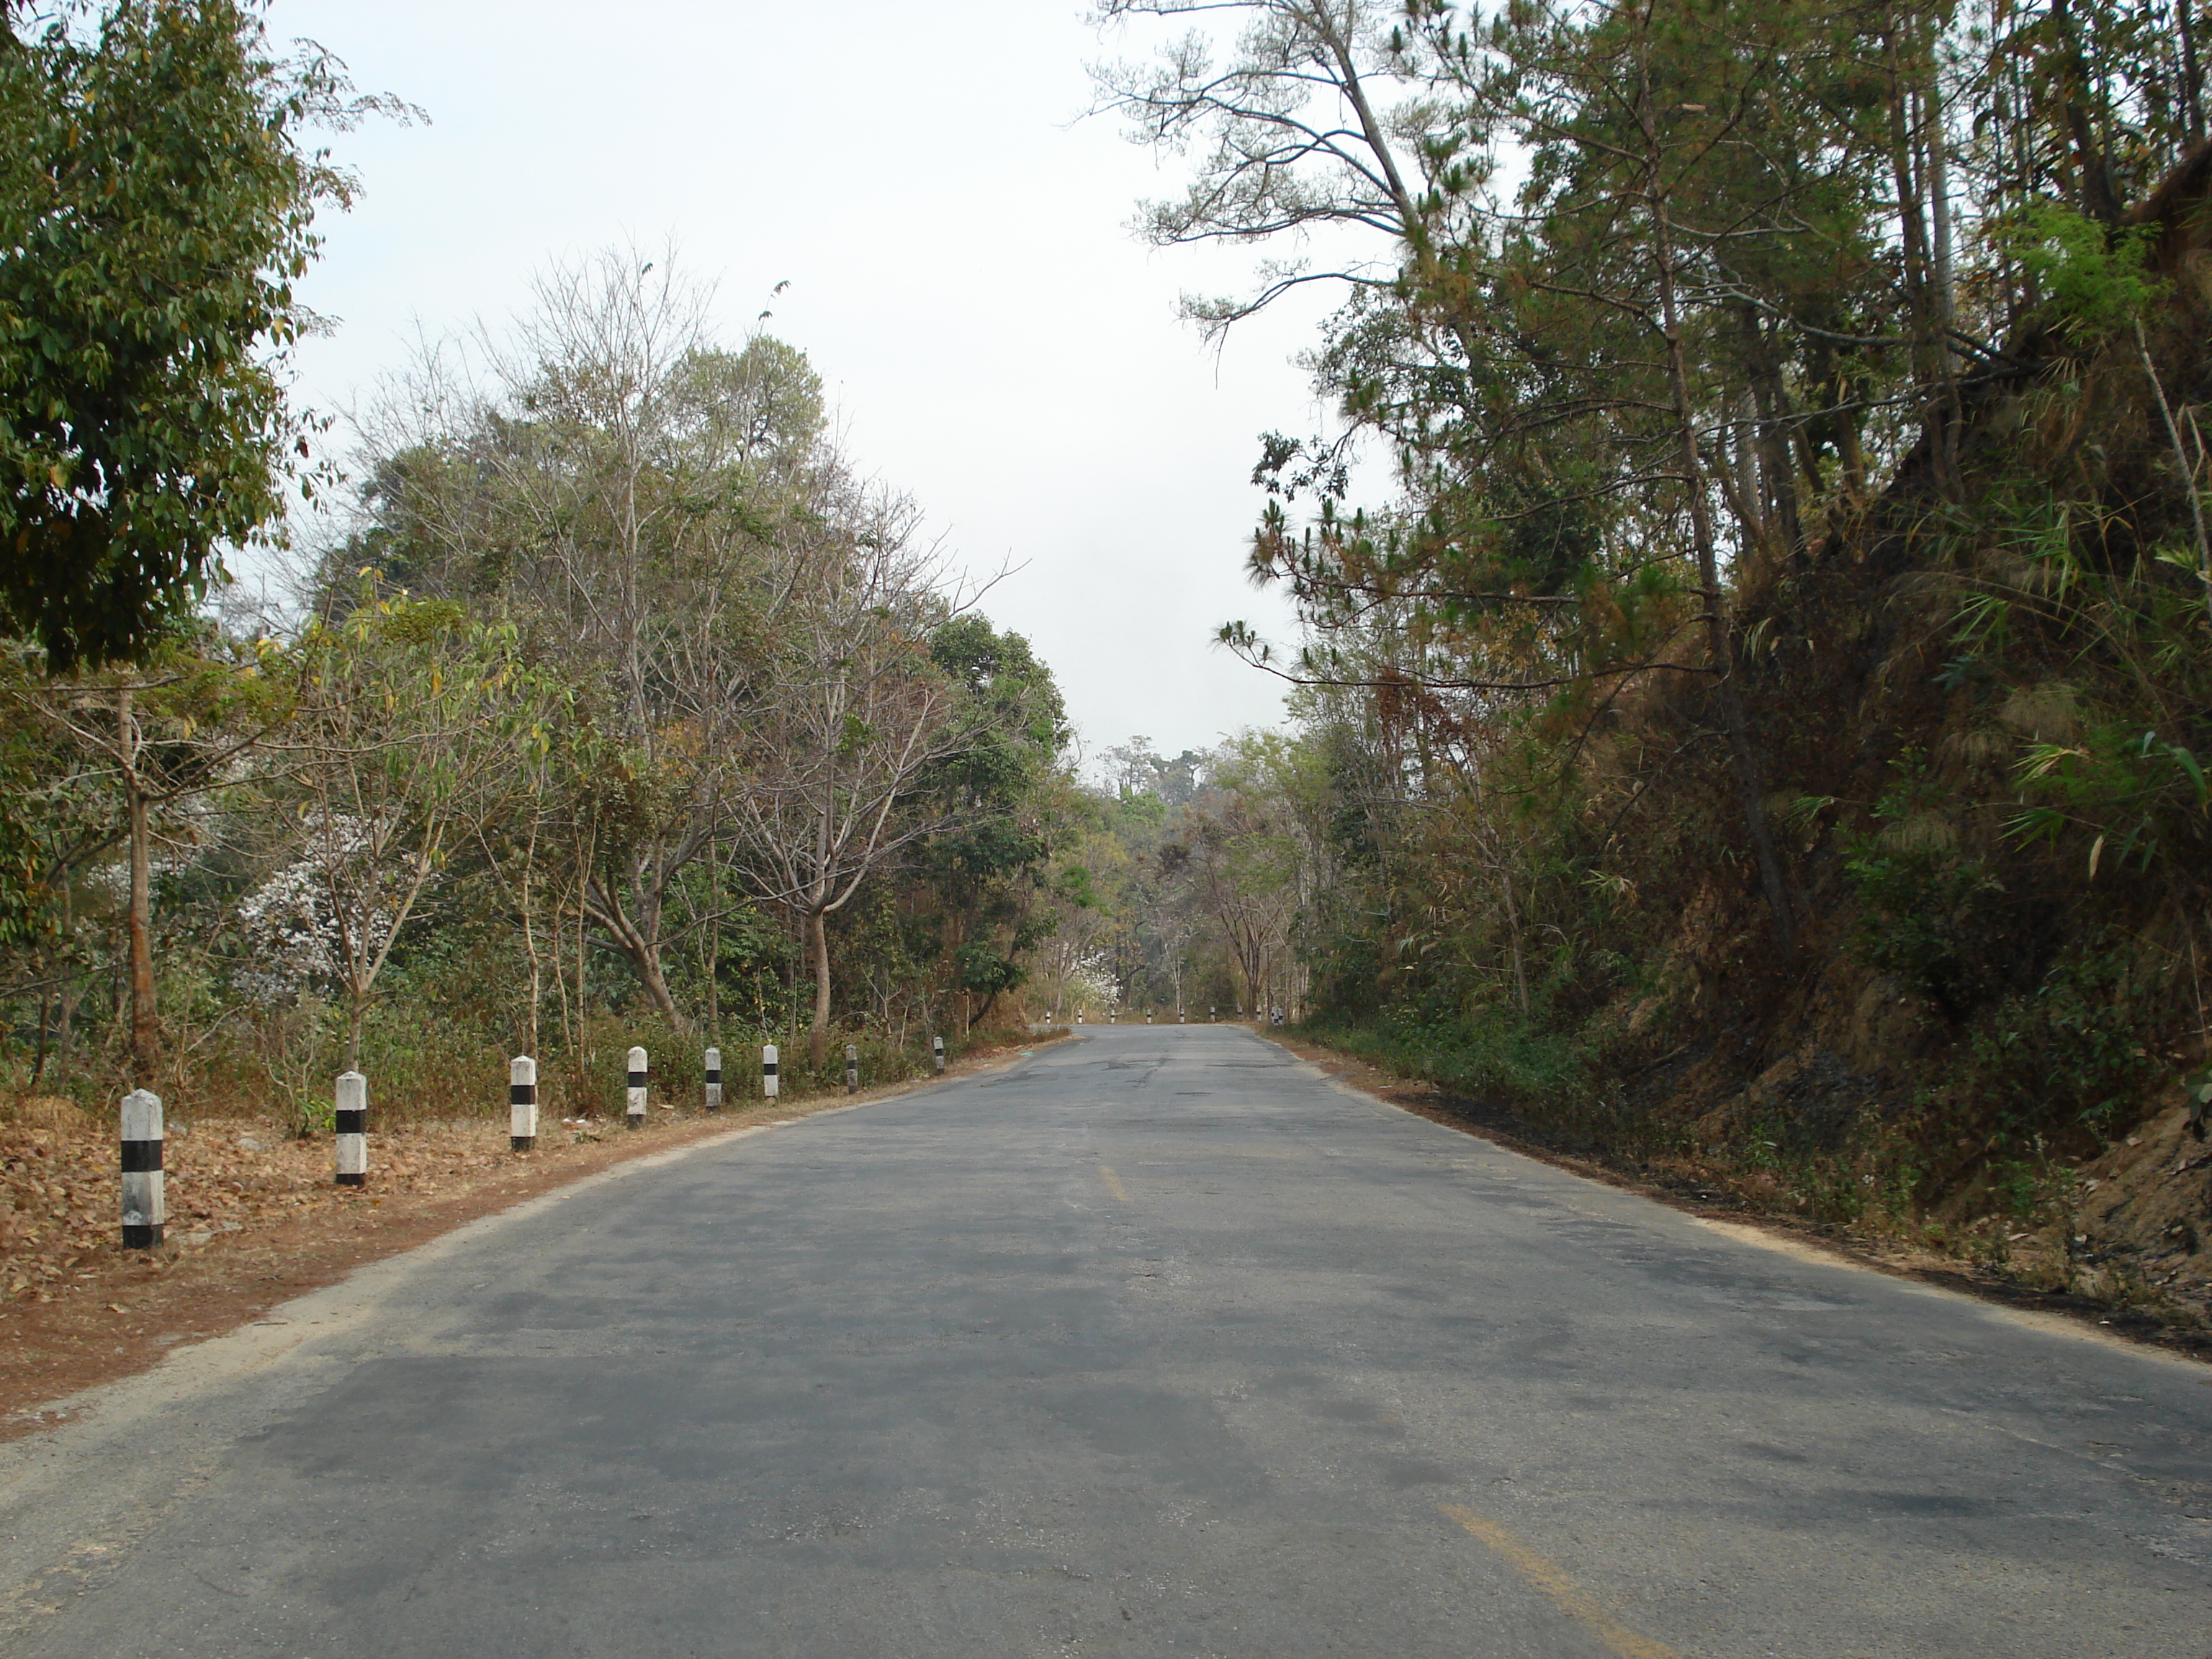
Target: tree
[
  {"x": 639, "y": 500},
  {"x": 411, "y": 724},
  {"x": 1569, "y": 377},
  {"x": 155, "y": 208},
  {"x": 986, "y": 873},
  {"x": 154, "y": 736},
  {"x": 851, "y": 714}
]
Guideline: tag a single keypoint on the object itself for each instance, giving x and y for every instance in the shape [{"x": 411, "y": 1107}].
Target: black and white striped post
[
  {"x": 636, "y": 1116},
  {"x": 937, "y": 1049},
  {"x": 350, "y": 1145},
  {"x": 714, "y": 1079},
  {"x": 144, "y": 1209},
  {"x": 522, "y": 1102},
  {"x": 852, "y": 1068},
  {"x": 767, "y": 1070}
]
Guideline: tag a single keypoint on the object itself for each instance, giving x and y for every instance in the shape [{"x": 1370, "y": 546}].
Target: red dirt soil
[{"x": 255, "y": 1219}]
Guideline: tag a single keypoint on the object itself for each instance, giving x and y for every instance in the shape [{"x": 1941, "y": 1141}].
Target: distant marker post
[
  {"x": 350, "y": 1121},
  {"x": 144, "y": 1208},
  {"x": 522, "y": 1104}
]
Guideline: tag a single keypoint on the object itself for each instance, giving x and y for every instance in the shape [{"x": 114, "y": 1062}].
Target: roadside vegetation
[
  {"x": 611, "y": 701},
  {"x": 1761, "y": 721}
]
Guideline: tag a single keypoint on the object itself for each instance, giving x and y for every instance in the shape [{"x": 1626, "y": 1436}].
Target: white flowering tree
[{"x": 414, "y": 728}]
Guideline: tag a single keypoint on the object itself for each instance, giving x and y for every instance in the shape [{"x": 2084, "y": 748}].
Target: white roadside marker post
[
  {"x": 143, "y": 1208},
  {"x": 714, "y": 1079},
  {"x": 852, "y": 1069},
  {"x": 767, "y": 1070},
  {"x": 522, "y": 1102},
  {"x": 351, "y": 1123},
  {"x": 937, "y": 1049},
  {"x": 636, "y": 1116}
]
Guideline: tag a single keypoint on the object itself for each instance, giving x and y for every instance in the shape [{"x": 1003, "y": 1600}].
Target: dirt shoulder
[
  {"x": 1683, "y": 1189},
  {"x": 254, "y": 1220}
]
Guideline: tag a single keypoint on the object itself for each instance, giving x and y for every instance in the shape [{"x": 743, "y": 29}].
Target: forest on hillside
[{"x": 1761, "y": 722}]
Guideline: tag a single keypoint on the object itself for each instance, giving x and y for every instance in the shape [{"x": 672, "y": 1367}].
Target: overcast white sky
[{"x": 961, "y": 275}]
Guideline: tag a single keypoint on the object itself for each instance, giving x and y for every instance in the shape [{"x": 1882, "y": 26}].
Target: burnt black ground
[{"x": 1157, "y": 1343}]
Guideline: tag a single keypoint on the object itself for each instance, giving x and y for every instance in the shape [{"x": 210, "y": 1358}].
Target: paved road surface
[{"x": 1157, "y": 1344}]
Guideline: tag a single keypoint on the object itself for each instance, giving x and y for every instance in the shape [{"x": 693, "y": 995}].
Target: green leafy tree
[{"x": 155, "y": 210}]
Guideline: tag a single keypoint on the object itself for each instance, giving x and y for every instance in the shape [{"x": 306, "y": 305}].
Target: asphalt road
[{"x": 1158, "y": 1343}]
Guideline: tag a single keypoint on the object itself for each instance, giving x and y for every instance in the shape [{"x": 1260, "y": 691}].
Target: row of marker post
[{"x": 145, "y": 1210}]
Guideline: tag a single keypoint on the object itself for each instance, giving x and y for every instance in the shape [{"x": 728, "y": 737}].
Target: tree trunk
[
  {"x": 2097, "y": 197},
  {"x": 45, "y": 1013},
  {"x": 714, "y": 946},
  {"x": 356, "y": 1013},
  {"x": 145, "y": 1022},
  {"x": 1945, "y": 284},
  {"x": 635, "y": 942},
  {"x": 1513, "y": 935},
  {"x": 530, "y": 942},
  {"x": 2192, "y": 75},
  {"x": 817, "y": 949},
  {"x": 66, "y": 1036},
  {"x": 1721, "y": 645}
]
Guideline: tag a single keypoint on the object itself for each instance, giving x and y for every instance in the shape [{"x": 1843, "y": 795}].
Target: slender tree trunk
[
  {"x": 356, "y": 1012},
  {"x": 1770, "y": 396},
  {"x": 45, "y": 1014},
  {"x": 145, "y": 1021},
  {"x": 2097, "y": 197},
  {"x": 1513, "y": 935},
  {"x": 1945, "y": 294},
  {"x": 530, "y": 940},
  {"x": 65, "y": 1037},
  {"x": 714, "y": 944},
  {"x": 561, "y": 977},
  {"x": 1721, "y": 645},
  {"x": 2192, "y": 75},
  {"x": 1905, "y": 146},
  {"x": 656, "y": 987},
  {"x": 580, "y": 1053},
  {"x": 2185, "y": 462},
  {"x": 638, "y": 940},
  {"x": 818, "y": 951}
]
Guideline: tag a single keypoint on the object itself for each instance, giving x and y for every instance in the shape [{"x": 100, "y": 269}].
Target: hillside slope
[{"x": 1986, "y": 723}]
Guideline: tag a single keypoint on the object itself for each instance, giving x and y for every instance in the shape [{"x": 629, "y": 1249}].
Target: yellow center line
[
  {"x": 1555, "y": 1584},
  {"x": 1114, "y": 1183}
]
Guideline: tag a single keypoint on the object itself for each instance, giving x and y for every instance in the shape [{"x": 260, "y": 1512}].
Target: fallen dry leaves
[{"x": 254, "y": 1218}]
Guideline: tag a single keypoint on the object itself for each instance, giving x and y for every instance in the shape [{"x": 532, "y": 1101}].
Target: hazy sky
[{"x": 961, "y": 275}]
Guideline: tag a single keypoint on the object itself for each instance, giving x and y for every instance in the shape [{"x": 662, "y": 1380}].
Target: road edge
[
  {"x": 190, "y": 1367},
  {"x": 2089, "y": 1322}
]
